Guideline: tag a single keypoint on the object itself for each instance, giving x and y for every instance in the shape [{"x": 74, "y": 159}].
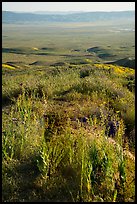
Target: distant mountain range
[
  {"x": 56, "y": 12},
  {"x": 14, "y": 17}
]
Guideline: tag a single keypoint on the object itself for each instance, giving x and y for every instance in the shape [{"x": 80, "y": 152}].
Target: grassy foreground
[{"x": 49, "y": 151}]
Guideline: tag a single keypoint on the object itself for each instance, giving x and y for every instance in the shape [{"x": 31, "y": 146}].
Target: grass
[
  {"x": 43, "y": 127},
  {"x": 54, "y": 141}
]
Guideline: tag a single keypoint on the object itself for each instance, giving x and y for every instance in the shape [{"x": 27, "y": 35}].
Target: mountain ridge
[{"x": 13, "y": 17}]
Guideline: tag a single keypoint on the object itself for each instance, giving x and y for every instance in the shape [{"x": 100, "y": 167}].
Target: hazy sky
[{"x": 67, "y": 6}]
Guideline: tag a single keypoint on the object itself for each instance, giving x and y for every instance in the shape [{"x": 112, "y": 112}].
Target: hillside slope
[
  {"x": 55, "y": 143},
  {"x": 125, "y": 62}
]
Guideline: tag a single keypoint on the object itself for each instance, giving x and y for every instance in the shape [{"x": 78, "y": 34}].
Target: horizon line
[{"x": 66, "y": 11}]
